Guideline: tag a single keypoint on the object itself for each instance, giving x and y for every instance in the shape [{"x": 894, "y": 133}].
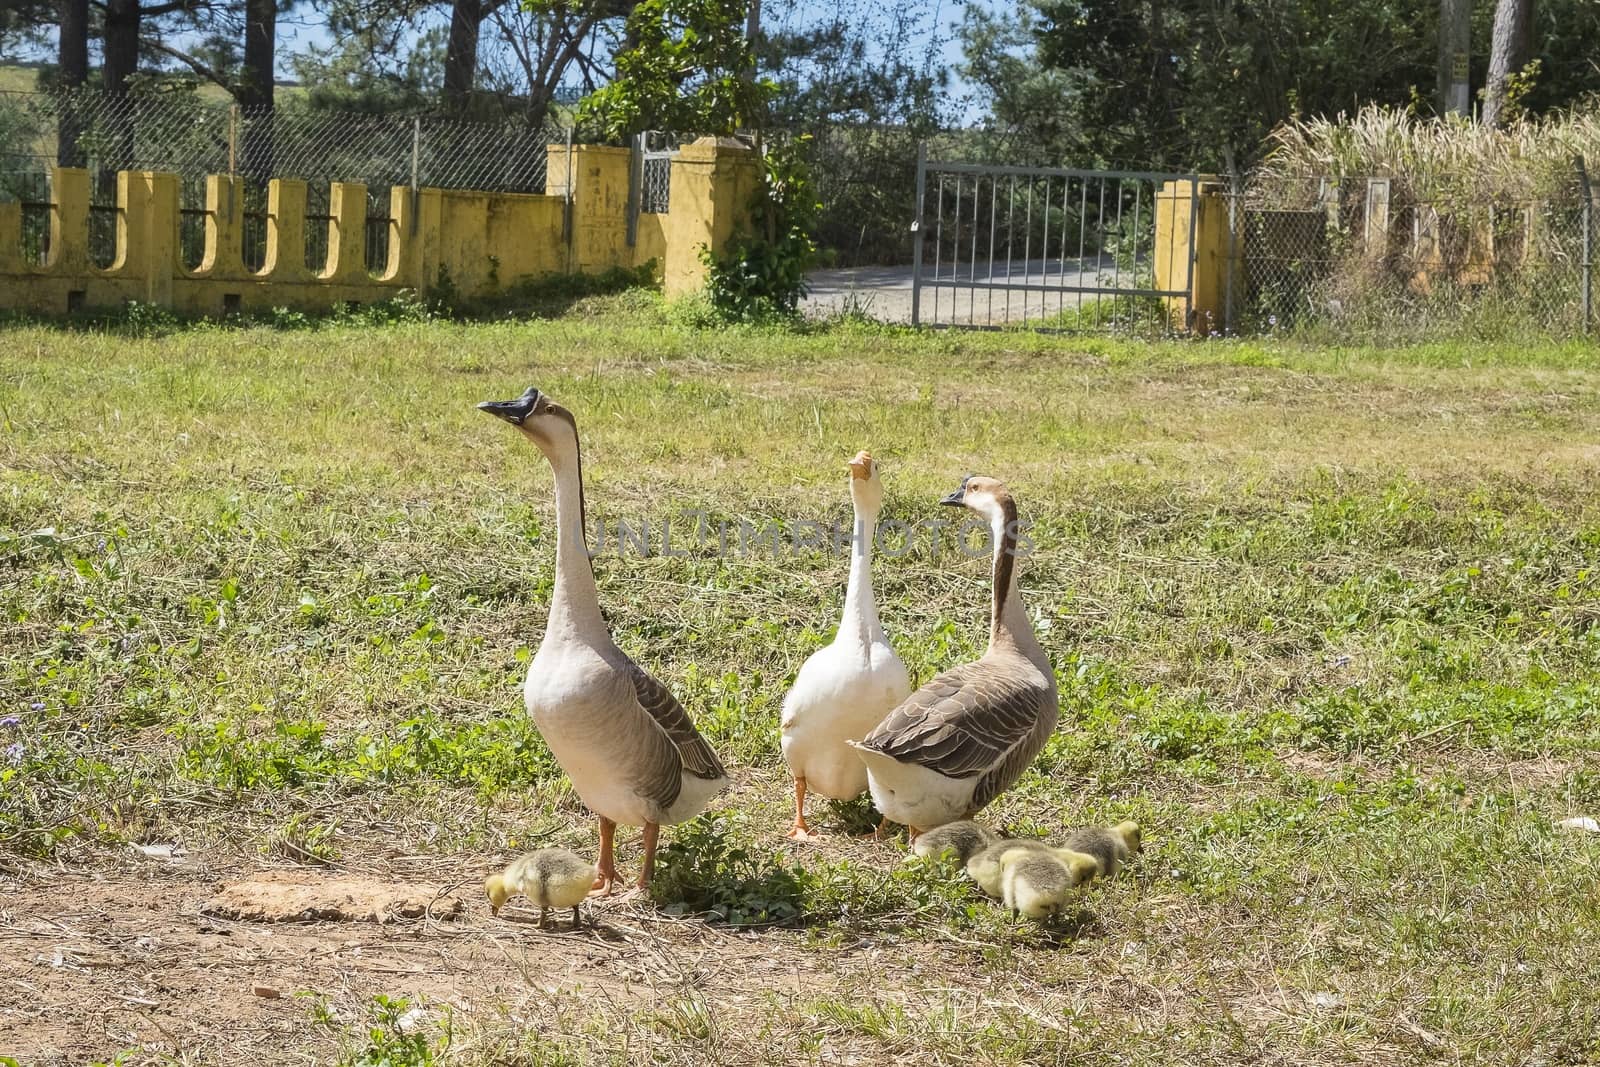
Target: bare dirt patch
[{"x": 310, "y": 896}]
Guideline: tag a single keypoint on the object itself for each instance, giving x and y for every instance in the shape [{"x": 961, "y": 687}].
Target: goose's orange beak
[{"x": 861, "y": 466}]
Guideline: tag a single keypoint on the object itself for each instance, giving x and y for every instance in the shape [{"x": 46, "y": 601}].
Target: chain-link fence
[
  {"x": 1364, "y": 256},
  {"x": 182, "y": 133}
]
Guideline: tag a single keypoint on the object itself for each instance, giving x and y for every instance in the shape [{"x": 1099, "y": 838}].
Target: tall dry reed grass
[{"x": 1435, "y": 160}]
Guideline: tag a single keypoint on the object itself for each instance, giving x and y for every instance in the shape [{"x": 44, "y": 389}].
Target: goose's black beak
[
  {"x": 959, "y": 497},
  {"x": 513, "y": 411}
]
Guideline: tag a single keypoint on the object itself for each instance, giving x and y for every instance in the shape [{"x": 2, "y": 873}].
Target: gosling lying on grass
[
  {"x": 963, "y": 839},
  {"x": 1109, "y": 845},
  {"x": 549, "y": 878},
  {"x": 1035, "y": 884},
  {"x": 987, "y": 867}
]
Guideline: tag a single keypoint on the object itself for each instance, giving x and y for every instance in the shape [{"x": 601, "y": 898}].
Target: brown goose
[
  {"x": 631, "y": 750},
  {"x": 966, "y": 736}
]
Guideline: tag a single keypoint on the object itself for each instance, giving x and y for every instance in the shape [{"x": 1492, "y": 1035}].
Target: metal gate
[
  {"x": 649, "y": 176},
  {"x": 1052, "y": 249}
]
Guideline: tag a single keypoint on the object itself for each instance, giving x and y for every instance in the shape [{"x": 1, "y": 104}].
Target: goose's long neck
[
  {"x": 575, "y": 605},
  {"x": 860, "y": 622},
  {"x": 1009, "y": 626}
]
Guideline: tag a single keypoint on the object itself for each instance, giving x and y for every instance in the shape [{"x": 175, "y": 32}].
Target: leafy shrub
[
  {"x": 763, "y": 276},
  {"x": 394, "y": 1041},
  {"x": 705, "y": 871},
  {"x": 146, "y": 320},
  {"x": 404, "y": 306}
]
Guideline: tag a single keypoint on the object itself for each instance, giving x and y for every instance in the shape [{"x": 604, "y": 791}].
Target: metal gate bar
[{"x": 1112, "y": 282}]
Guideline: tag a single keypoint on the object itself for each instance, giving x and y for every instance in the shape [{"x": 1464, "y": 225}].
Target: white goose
[
  {"x": 967, "y": 735},
  {"x": 845, "y": 689},
  {"x": 631, "y": 751}
]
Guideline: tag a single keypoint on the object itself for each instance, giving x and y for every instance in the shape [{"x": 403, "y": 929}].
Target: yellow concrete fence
[{"x": 481, "y": 242}]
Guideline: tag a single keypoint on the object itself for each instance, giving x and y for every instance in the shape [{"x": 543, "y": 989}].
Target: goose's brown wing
[
  {"x": 658, "y": 702},
  {"x": 976, "y": 719},
  {"x": 1010, "y": 768}
]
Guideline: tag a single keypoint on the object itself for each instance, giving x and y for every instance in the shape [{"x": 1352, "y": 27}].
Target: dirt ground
[
  {"x": 98, "y": 964},
  {"x": 141, "y": 961}
]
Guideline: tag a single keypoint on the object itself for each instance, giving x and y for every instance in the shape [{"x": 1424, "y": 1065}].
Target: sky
[{"x": 303, "y": 28}]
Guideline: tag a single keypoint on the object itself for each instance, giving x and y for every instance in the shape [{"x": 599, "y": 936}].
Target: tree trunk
[
  {"x": 1455, "y": 47},
  {"x": 120, "y": 62},
  {"x": 1508, "y": 50},
  {"x": 461, "y": 53},
  {"x": 121, "y": 45},
  {"x": 1164, "y": 87},
  {"x": 73, "y": 58},
  {"x": 255, "y": 92}
]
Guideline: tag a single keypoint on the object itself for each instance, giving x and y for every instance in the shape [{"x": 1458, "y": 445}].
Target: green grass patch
[{"x": 1324, "y": 620}]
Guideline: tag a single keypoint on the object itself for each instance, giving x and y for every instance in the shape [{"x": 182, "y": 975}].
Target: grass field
[{"x": 1323, "y": 620}]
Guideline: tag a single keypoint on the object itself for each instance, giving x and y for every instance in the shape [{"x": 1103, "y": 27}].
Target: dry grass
[
  {"x": 1441, "y": 159},
  {"x": 1323, "y": 621}
]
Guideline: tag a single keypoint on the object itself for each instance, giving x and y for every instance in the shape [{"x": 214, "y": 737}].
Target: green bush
[
  {"x": 762, "y": 276},
  {"x": 705, "y": 871}
]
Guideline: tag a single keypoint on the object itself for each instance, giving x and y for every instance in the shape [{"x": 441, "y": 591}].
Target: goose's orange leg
[
  {"x": 800, "y": 831},
  {"x": 652, "y": 832},
  {"x": 606, "y": 876}
]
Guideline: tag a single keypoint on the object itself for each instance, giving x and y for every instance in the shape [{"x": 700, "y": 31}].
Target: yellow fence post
[
  {"x": 69, "y": 222},
  {"x": 425, "y": 253},
  {"x": 147, "y": 235},
  {"x": 1185, "y": 207},
  {"x": 286, "y": 231},
  {"x": 347, "y": 237},
  {"x": 713, "y": 183},
  {"x": 400, "y": 268},
  {"x": 599, "y": 198},
  {"x": 1375, "y": 221},
  {"x": 224, "y": 256},
  {"x": 10, "y": 237}
]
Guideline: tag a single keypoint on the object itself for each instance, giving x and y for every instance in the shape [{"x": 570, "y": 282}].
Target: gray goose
[
  {"x": 632, "y": 752},
  {"x": 967, "y": 735}
]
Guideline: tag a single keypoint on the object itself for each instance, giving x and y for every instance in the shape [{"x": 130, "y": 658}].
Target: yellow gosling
[
  {"x": 1036, "y": 883},
  {"x": 1109, "y": 845},
  {"x": 962, "y": 840},
  {"x": 549, "y": 878},
  {"x": 985, "y": 867}
]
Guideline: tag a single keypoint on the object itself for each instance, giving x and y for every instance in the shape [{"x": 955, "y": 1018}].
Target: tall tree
[
  {"x": 255, "y": 92},
  {"x": 125, "y": 24},
  {"x": 120, "y": 47},
  {"x": 689, "y": 66},
  {"x": 72, "y": 58},
  {"x": 23, "y": 24},
  {"x": 461, "y": 51},
  {"x": 256, "y": 80},
  {"x": 1158, "y": 84},
  {"x": 536, "y": 45},
  {"x": 869, "y": 83},
  {"x": 381, "y": 57},
  {"x": 1508, "y": 51}
]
